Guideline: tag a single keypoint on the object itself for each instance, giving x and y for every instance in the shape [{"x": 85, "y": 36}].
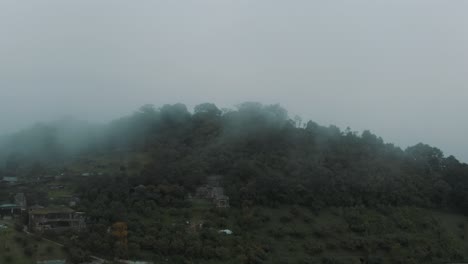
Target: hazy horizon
[{"x": 397, "y": 68}]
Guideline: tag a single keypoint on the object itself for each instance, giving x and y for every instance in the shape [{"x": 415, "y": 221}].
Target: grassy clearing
[{"x": 20, "y": 248}]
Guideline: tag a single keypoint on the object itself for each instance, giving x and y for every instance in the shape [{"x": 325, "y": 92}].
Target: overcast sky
[{"x": 396, "y": 67}]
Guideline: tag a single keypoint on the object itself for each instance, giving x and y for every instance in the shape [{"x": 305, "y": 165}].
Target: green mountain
[{"x": 298, "y": 193}]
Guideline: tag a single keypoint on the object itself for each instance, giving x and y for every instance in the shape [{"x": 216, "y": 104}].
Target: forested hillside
[
  {"x": 265, "y": 157},
  {"x": 271, "y": 167}
]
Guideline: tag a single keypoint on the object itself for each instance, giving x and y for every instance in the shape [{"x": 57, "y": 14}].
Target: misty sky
[{"x": 396, "y": 67}]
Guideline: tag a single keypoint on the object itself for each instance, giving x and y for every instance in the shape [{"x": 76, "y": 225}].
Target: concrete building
[
  {"x": 212, "y": 191},
  {"x": 57, "y": 219}
]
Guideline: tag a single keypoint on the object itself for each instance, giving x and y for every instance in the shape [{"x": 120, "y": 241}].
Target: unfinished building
[{"x": 56, "y": 219}]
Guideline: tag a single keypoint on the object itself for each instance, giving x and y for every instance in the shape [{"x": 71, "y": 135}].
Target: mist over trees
[{"x": 265, "y": 157}]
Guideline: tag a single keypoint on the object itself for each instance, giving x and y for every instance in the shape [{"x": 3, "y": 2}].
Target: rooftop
[
  {"x": 51, "y": 210},
  {"x": 10, "y": 179},
  {"x": 51, "y": 262},
  {"x": 8, "y": 205}
]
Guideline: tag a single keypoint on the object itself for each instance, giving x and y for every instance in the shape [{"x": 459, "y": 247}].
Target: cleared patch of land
[{"x": 20, "y": 248}]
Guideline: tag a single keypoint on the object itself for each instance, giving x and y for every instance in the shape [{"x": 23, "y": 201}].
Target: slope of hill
[{"x": 299, "y": 193}]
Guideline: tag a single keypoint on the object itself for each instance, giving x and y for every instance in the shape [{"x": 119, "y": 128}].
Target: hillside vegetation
[{"x": 299, "y": 192}]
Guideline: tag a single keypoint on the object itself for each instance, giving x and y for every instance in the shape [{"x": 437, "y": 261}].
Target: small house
[{"x": 10, "y": 180}]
